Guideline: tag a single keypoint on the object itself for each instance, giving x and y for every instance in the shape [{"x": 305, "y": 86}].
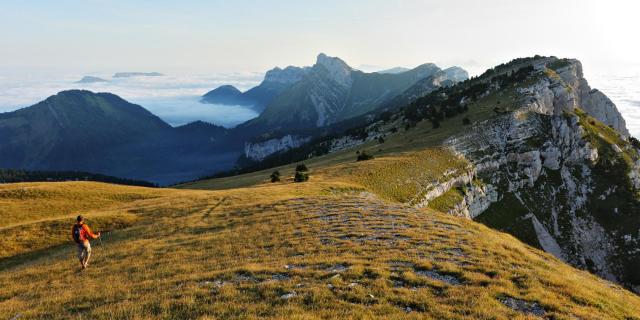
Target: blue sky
[{"x": 225, "y": 36}]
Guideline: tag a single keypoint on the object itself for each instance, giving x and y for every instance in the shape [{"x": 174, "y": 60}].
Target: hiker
[{"x": 81, "y": 235}]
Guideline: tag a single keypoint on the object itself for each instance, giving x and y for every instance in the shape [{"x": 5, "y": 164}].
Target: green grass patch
[{"x": 448, "y": 201}]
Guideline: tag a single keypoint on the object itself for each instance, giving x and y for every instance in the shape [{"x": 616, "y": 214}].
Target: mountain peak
[
  {"x": 331, "y": 62},
  {"x": 456, "y": 73},
  {"x": 339, "y": 70},
  {"x": 227, "y": 95},
  {"x": 287, "y": 75}
]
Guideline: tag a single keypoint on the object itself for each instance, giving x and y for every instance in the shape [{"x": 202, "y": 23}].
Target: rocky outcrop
[
  {"x": 478, "y": 198},
  {"x": 594, "y": 102},
  {"x": 540, "y": 158},
  {"x": 288, "y": 75},
  {"x": 437, "y": 189},
  {"x": 564, "y": 89},
  {"x": 634, "y": 175},
  {"x": 553, "y": 208},
  {"x": 338, "y": 70},
  {"x": 259, "y": 150}
]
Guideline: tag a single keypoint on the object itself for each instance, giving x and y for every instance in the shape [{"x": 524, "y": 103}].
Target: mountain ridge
[
  {"x": 549, "y": 162},
  {"x": 333, "y": 91},
  {"x": 78, "y": 130},
  {"x": 275, "y": 81}
]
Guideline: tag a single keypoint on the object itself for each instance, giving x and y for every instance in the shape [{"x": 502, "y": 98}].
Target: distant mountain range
[
  {"x": 328, "y": 92},
  {"x": 94, "y": 79},
  {"x": 394, "y": 70},
  {"x": 99, "y": 132},
  {"x": 91, "y": 79},
  {"x": 275, "y": 82}
]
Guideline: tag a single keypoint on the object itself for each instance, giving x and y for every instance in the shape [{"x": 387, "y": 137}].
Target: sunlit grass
[{"x": 291, "y": 250}]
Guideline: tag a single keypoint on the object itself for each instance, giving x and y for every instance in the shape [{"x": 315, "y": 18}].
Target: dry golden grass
[
  {"x": 36, "y": 216},
  {"x": 29, "y": 202},
  {"x": 403, "y": 177},
  {"x": 337, "y": 251}
]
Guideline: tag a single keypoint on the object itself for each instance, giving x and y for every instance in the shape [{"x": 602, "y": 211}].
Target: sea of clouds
[
  {"x": 624, "y": 90},
  {"x": 174, "y": 98}
]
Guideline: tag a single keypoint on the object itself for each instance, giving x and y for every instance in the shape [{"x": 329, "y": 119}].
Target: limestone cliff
[
  {"x": 259, "y": 150},
  {"x": 559, "y": 173}
]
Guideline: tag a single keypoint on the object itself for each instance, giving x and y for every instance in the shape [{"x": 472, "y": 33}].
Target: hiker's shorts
[{"x": 84, "y": 250}]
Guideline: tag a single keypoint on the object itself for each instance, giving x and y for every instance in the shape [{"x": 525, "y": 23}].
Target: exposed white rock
[
  {"x": 634, "y": 175},
  {"x": 289, "y": 295},
  {"x": 477, "y": 199},
  {"x": 439, "y": 188},
  {"x": 594, "y": 245},
  {"x": 339, "y": 71},
  {"x": 528, "y": 163},
  {"x": 571, "y": 90},
  {"x": 259, "y": 150},
  {"x": 551, "y": 155},
  {"x": 344, "y": 143},
  {"x": 287, "y": 75},
  {"x": 616, "y": 148},
  {"x": 546, "y": 240},
  {"x": 591, "y": 100}
]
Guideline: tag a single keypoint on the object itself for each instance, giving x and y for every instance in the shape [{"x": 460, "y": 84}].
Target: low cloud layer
[
  {"x": 624, "y": 91},
  {"x": 181, "y": 110},
  {"x": 175, "y": 99}
]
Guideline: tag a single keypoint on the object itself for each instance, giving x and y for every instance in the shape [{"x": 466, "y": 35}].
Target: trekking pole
[
  {"x": 101, "y": 244},
  {"x": 101, "y": 234}
]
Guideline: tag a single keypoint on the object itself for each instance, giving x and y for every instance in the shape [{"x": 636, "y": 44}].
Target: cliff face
[
  {"x": 559, "y": 174},
  {"x": 259, "y": 150},
  {"x": 565, "y": 88}
]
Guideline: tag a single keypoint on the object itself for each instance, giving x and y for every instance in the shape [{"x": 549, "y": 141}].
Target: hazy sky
[{"x": 225, "y": 36}]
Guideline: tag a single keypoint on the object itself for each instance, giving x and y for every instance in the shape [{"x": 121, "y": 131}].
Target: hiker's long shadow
[
  {"x": 32, "y": 257},
  {"x": 56, "y": 252}
]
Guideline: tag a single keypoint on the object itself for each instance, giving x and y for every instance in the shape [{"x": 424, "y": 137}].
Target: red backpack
[{"x": 78, "y": 233}]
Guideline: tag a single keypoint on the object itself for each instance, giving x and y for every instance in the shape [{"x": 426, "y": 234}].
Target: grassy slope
[
  {"x": 341, "y": 251},
  {"x": 42, "y": 211}
]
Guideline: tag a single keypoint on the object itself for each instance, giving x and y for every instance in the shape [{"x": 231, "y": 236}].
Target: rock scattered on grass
[
  {"x": 289, "y": 295},
  {"x": 523, "y": 306},
  {"x": 280, "y": 277},
  {"x": 338, "y": 268},
  {"x": 440, "y": 277}
]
